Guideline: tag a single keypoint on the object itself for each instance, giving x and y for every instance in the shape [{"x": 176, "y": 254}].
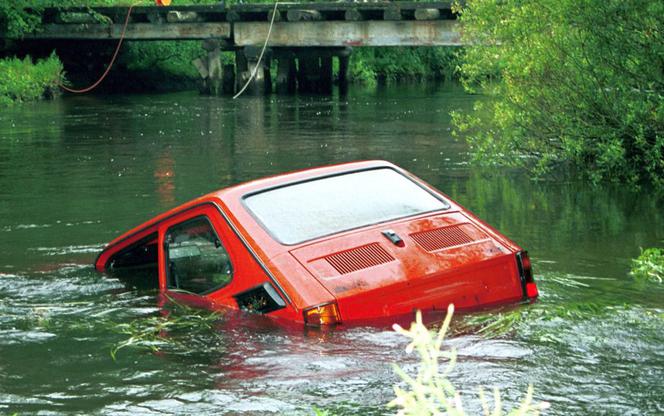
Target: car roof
[
  {"x": 231, "y": 197},
  {"x": 246, "y": 188}
]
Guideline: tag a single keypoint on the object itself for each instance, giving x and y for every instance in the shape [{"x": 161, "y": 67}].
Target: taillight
[
  {"x": 327, "y": 314},
  {"x": 526, "y": 274},
  {"x": 531, "y": 290}
]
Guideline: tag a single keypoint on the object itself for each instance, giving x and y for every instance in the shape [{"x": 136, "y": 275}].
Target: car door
[
  {"x": 197, "y": 258},
  {"x": 203, "y": 262}
]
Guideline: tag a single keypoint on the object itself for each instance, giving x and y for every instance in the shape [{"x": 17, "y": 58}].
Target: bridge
[{"x": 304, "y": 38}]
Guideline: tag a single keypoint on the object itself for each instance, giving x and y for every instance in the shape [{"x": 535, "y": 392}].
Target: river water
[{"x": 76, "y": 172}]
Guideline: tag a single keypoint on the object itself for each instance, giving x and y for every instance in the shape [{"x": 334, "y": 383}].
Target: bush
[
  {"x": 18, "y": 17},
  {"x": 568, "y": 83},
  {"x": 23, "y": 80},
  {"x": 649, "y": 265},
  {"x": 369, "y": 65}
]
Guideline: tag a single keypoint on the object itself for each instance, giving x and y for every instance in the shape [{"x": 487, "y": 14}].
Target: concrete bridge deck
[{"x": 333, "y": 24}]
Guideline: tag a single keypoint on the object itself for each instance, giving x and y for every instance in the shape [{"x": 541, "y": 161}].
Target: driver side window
[{"x": 197, "y": 262}]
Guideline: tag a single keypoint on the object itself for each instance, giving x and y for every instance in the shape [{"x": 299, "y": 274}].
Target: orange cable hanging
[{"x": 110, "y": 64}]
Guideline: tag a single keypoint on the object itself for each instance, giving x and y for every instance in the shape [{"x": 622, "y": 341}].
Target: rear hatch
[{"x": 441, "y": 259}]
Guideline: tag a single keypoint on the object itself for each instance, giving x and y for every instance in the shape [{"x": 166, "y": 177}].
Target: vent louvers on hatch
[
  {"x": 359, "y": 258},
  {"x": 445, "y": 237}
]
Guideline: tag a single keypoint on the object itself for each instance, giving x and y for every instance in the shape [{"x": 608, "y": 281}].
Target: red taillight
[
  {"x": 526, "y": 274},
  {"x": 327, "y": 314}
]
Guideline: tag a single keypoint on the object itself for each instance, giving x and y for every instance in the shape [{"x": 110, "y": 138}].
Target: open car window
[
  {"x": 136, "y": 265},
  {"x": 307, "y": 210},
  {"x": 196, "y": 259}
]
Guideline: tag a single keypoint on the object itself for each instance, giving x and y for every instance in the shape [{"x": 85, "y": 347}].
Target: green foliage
[
  {"x": 430, "y": 392},
  {"x": 18, "y": 17},
  {"x": 23, "y": 80},
  {"x": 157, "y": 332},
  {"x": 15, "y": 20},
  {"x": 369, "y": 65},
  {"x": 569, "y": 83},
  {"x": 171, "y": 57},
  {"x": 649, "y": 265}
]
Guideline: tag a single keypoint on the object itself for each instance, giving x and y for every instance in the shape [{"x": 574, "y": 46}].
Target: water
[{"x": 76, "y": 172}]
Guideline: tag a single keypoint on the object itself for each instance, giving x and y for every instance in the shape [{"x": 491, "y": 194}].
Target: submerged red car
[{"x": 349, "y": 243}]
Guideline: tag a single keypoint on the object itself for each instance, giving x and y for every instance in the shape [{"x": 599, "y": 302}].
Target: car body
[{"x": 350, "y": 243}]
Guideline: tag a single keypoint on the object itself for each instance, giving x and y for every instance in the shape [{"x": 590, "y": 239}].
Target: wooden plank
[
  {"x": 427, "y": 14},
  {"x": 353, "y": 15},
  {"x": 136, "y": 31},
  {"x": 142, "y": 9},
  {"x": 341, "y": 6},
  {"x": 393, "y": 12},
  {"x": 343, "y": 33},
  {"x": 215, "y": 13},
  {"x": 277, "y": 16},
  {"x": 176, "y": 16},
  {"x": 75, "y": 17},
  {"x": 298, "y": 15},
  {"x": 139, "y": 13}
]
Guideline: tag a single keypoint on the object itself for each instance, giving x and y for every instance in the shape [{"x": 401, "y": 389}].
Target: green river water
[{"x": 76, "y": 172}]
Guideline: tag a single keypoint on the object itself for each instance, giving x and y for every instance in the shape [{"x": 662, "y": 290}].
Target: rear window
[{"x": 312, "y": 209}]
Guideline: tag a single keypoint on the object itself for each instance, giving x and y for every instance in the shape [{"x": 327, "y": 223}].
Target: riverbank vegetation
[
  {"x": 374, "y": 65},
  {"x": 24, "y": 80},
  {"x": 568, "y": 84},
  {"x": 649, "y": 266}
]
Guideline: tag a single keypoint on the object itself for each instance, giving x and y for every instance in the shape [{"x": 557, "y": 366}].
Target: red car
[{"x": 351, "y": 243}]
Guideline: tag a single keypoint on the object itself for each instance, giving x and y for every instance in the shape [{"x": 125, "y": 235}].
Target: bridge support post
[
  {"x": 240, "y": 70},
  {"x": 246, "y": 62},
  {"x": 286, "y": 75},
  {"x": 308, "y": 73},
  {"x": 214, "y": 71},
  {"x": 326, "y": 77},
  {"x": 343, "y": 74},
  {"x": 210, "y": 68},
  {"x": 267, "y": 77},
  {"x": 228, "y": 79}
]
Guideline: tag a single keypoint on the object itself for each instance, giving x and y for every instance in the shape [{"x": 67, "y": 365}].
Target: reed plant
[{"x": 430, "y": 392}]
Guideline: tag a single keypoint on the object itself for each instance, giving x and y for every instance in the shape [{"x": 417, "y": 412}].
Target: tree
[{"x": 568, "y": 83}]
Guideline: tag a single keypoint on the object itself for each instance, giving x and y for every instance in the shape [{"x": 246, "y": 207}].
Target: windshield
[{"x": 312, "y": 209}]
